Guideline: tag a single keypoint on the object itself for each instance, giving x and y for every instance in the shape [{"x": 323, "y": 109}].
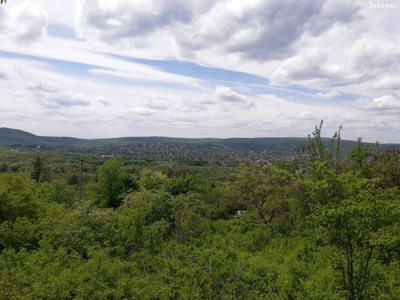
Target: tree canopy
[{"x": 322, "y": 225}]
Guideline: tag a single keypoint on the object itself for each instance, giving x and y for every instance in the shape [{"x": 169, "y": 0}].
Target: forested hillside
[
  {"x": 320, "y": 226},
  {"x": 21, "y": 140}
]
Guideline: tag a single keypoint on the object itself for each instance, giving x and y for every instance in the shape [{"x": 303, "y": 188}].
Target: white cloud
[
  {"x": 255, "y": 30},
  {"x": 359, "y": 57},
  {"x": 191, "y": 106},
  {"x": 112, "y": 21},
  {"x": 385, "y": 103},
  {"x": 329, "y": 95},
  {"x": 40, "y": 84},
  {"x": 141, "y": 111},
  {"x": 308, "y": 64},
  {"x": 225, "y": 94},
  {"x": 144, "y": 74},
  {"x": 303, "y": 47},
  {"x": 185, "y": 119},
  {"x": 388, "y": 83},
  {"x": 23, "y": 23},
  {"x": 17, "y": 95},
  {"x": 65, "y": 99},
  {"x": 309, "y": 116},
  {"x": 159, "y": 103},
  {"x": 103, "y": 100},
  {"x": 207, "y": 100},
  {"x": 3, "y": 75}
]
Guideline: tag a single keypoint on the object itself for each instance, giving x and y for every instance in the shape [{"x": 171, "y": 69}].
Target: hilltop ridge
[{"x": 10, "y": 137}]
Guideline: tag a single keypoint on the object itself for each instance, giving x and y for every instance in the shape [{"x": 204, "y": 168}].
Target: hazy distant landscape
[{"x": 198, "y": 151}]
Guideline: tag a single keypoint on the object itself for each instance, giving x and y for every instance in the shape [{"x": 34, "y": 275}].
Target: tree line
[{"x": 317, "y": 227}]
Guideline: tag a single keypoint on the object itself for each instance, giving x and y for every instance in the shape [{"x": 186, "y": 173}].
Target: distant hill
[{"x": 9, "y": 137}]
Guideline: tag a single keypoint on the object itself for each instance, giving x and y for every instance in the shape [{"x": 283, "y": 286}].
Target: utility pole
[{"x": 80, "y": 182}]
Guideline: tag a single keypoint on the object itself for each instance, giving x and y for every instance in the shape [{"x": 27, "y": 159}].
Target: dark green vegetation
[
  {"x": 316, "y": 227},
  {"x": 194, "y": 152},
  {"x": 22, "y": 139}
]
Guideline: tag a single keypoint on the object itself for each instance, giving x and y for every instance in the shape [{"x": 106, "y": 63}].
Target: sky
[{"x": 201, "y": 68}]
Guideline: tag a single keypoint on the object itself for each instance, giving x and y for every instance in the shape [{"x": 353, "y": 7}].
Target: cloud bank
[{"x": 24, "y": 23}]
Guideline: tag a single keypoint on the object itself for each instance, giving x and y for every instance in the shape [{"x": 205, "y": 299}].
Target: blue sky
[{"x": 225, "y": 68}]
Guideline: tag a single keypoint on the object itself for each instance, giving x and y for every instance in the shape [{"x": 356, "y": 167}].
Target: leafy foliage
[
  {"x": 316, "y": 149},
  {"x": 113, "y": 181},
  {"x": 325, "y": 228},
  {"x": 263, "y": 189},
  {"x": 38, "y": 172},
  {"x": 151, "y": 180}
]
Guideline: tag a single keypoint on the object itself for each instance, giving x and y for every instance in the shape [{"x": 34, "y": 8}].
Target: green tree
[
  {"x": 316, "y": 150},
  {"x": 17, "y": 197},
  {"x": 151, "y": 180},
  {"x": 3, "y": 168},
  {"x": 360, "y": 154},
  {"x": 352, "y": 210},
  {"x": 262, "y": 188},
  {"x": 182, "y": 184},
  {"x": 385, "y": 165},
  {"x": 58, "y": 191},
  {"x": 350, "y": 214},
  {"x": 38, "y": 172},
  {"x": 111, "y": 183}
]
